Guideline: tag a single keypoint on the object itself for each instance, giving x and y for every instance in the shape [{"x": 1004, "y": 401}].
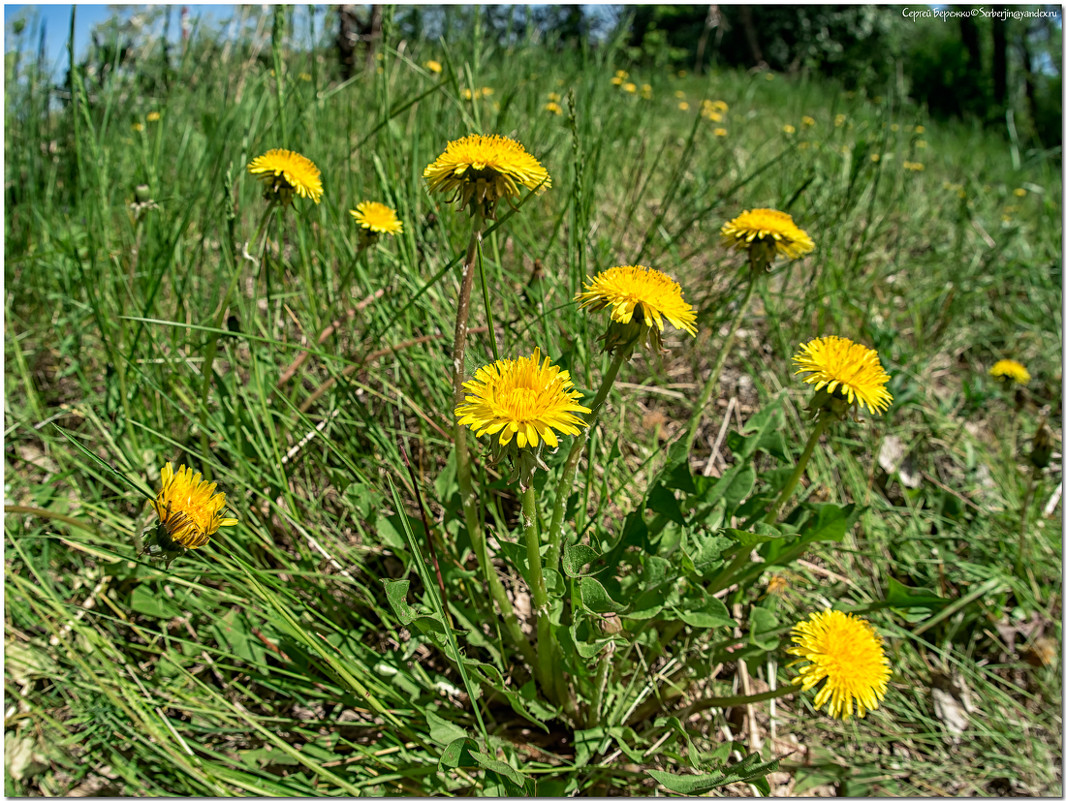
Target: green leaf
[
  {"x": 576, "y": 557},
  {"x": 500, "y": 768},
  {"x": 760, "y": 621},
  {"x": 688, "y": 785},
  {"x": 708, "y": 613},
  {"x": 761, "y": 533},
  {"x": 389, "y": 528},
  {"x": 443, "y": 731},
  {"x": 458, "y": 754},
  {"x": 680, "y": 478},
  {"x": 595, "y": 598},
  {"x": 396, "y": 593},
  {"x": 900, "y": 596},
  {"x": 145, "y": 601},
  {"x": 663, "y": 501}
]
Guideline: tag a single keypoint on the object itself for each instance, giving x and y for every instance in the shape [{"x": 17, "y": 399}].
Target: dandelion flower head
[
  {"x": 846, "y": 653},
  {"x": 845, "y": 369},
  {"x": 1009, "y": 370},
  {"x": 287, "y": 173},
  {"x": 767, "y": 227},
  {"x": 641, "y": 296},
  {"x": 377, "y": 218},
  {"x": 189, "y": 509},
  {"x": 524, "y": 400},
  {"x": 434, "y": 66},
  {"x": 485, "y": 169}
]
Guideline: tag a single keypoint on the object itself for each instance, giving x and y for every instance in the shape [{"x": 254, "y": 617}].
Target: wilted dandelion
[
  {"x": 640, "y": 299},
  {"x": 484, "y": 169},
  {"x": 1009, "y": 371},
  {"x": 287, "y": 173},
  {"x": 847, "y": 654},
  {"x": 189, "y": 509},
  {"x": 769, "y": 233},
  {"x": 845, "y": 371},
  {"x": 376, "y": 218},
  {"x": 434, "y": 66}
]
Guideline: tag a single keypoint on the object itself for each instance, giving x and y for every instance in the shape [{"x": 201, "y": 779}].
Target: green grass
[{"x": 271, "y": 662}]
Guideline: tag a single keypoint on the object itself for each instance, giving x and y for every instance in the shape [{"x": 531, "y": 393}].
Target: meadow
[{"x": 349, "y": 635}]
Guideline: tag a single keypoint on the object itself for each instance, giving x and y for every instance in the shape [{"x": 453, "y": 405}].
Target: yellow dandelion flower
[
  {"x": 138, "y": 126},
  {"x": 553, "y": 107},
  {"x": 682, "y": 73},
  {"x": 617, "y": 81},
  {"x": 1020, "y": 192},
  {"x": 522, "y": 400},
  {"x": 921, "y": 143},
  {"x": 720, "y": 106},
  {"x": 839, "y": 120},
  {"x": 769, "y": 76},
  {"x": 808, "y": 122},
  {"x": 189, "y": 509},
  {"x": 848, "y": 655},
  {"x": 894, "y": 127},
  {"x": 305, "y": 76},
  {"x": 645, "y": 90},
  {"x": 679, "y": 95},
  {"x": 287, "y": 173},
  {"x": 875, "y": 157},
  {"x": 789, "y": 129},
  {"x": 621, "y": 74},
  {"x": 434, "y": 66},
  {"x": 629, "y": 87},
  {"x": 485, "y": 169},
  {"x": 720, "y": 132},
  {"x": 486, "y": 91},
  {"x": 1008, "y": 370},
  {"x": 710, "y": 113},
  {"x": 770, "y": 229},
  {"x": 639, "y": 299},
  {"x": 683, "y": 105},
  {"x": 913, "y": 166},
  {"x": 554, "y": 97},
  {"x": 377, "y": 218},
  {"x": 468, "y": 94},
  {"x": 845, "y": 370},
  {"x": 919, "y": 129},
  {"x": 153, "y": 116}
]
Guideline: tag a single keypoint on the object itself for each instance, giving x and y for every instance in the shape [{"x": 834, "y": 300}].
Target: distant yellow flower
[
  {"x": 894, "y": 127},
  {"x": 720, "y": 106},
  {"x": 305, "y": 76},
  {"x": 1008, "y": 370},
  {"x": 875, "y": 157},
  {"x": 468, "y": 94},
  {"x": 189, "y": 509},
  {"x": 913, "y": 166},
  {"x": 377, "y": 218},
  {"x": 679, "y": 95},
  {"x": 153, "y": 116},
  {"x": 919, "y": 129},
  {"x": 1020, "y": 192},
  {"x": 682, "y": 73},
  {"x": 554, "y": 97},
  {"x": 484, "y": 169},
  {"x": 921, "y": 143},
  {"x": 683, "y": 105},
  {"x": 621, "y": 74},
  {"x": 630, "y": 87},
  {"x": 434, "y": 66},
  {"x": 845, "y": 370},
  {"x": 847, "y": 654},
  {"x": 789, "y": 129},
  {"x": 553, "y": 107},
  {"x": 645, "y": 90},
  {"x": 709, "y": 113},
  {"x": 287, "y": 173},
  {"x": 522, "y": 400},
  {"x": 486, "y": 91},
  {"x": 617, "y": 81},
  {"x": 767, "y": 229},
  {"x": 808, "y": 122},
  {"x": 720, "y": 132},
  {"x": 138, "y": 126},
  {"x": 769, "y": 76},
  {"x": 639, "y": 299},
  {"x": 839, "y": 120}
]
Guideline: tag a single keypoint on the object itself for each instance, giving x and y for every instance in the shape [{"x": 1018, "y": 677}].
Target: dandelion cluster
[{"x": 846, "y": 653}]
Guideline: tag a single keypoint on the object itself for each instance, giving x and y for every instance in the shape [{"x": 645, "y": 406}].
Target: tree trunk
[
  {"x": 999, "y": 59},
  {"x": 751, "y": 36}
]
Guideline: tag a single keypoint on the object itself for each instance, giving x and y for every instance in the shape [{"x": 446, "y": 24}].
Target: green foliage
[{"x": 315, "y": 649}]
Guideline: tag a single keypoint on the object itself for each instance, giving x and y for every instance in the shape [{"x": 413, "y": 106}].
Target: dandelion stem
[
  {"x": 712, "y": 382},
  {"x": 566, "y": 481},
  {"x": 602, "y": 672},
  {"x": 1019, "y": 560},
  {"x": 462, "y": 454},
  {"x": 545, "y": 647},
  {"x": 824, "y": 419}
]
